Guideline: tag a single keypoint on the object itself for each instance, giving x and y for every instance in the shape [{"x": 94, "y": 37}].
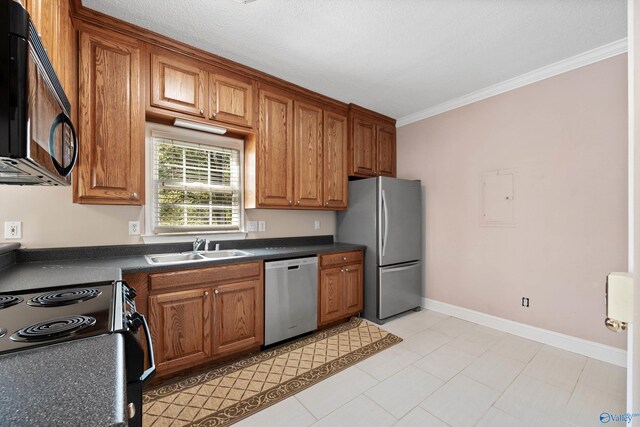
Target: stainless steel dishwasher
[{"x": 291, "y": 298}]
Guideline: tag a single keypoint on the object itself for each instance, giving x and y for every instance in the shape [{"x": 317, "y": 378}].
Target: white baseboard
[{"x": 587, "y": 348}]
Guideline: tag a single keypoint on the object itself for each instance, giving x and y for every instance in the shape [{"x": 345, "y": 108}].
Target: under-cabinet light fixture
[{"x": 199, "y": 126}]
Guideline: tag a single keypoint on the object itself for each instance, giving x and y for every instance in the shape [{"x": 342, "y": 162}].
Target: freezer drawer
[
  {"x": 291, "y": 298},
  {"x": 399, "y": 288}
]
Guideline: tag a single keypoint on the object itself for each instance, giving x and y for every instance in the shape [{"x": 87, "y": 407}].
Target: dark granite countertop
[
  {"x": 55, "y": 267},
  {"x": 44, "y": 386}
]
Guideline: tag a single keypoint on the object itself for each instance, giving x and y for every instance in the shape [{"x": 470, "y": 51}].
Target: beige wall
[
  {"x": 49, "y": 219},
  {"x": 566, "y": 138}
]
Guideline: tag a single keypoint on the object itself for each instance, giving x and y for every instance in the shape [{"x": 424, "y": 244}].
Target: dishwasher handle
[{"x": 293, "y": 267}]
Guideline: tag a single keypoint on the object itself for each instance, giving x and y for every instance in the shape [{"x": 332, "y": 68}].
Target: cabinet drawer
[
  {"x": 204, "y": 276},
  {"x": 341, "y": 258}
]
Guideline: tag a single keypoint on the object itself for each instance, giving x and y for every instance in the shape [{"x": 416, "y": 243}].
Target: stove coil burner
[
  {"x": 53, "y": 329},
  {"x": 64, "y": 297},
  {"x": 9, "y": 300}
]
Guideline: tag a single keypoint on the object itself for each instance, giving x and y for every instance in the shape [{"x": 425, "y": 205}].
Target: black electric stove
[{"x": 47, "y": 316}]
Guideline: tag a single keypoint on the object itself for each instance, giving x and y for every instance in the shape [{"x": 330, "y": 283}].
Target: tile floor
[{"x": 449, "y": 372}]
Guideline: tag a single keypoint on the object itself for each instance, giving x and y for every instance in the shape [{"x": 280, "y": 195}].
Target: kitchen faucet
[{"x": 198, "y": 242}]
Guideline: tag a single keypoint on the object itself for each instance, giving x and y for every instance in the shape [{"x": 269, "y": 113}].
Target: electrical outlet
[
  {"x": 13, "y": 230},
  {"x": 252, "y": 226},
  {"x": 525, "y": 302},
  {"x": 262, "y": 226},
  {"x": 134, "y": 228},
  {"x": 316, "y": 224}
]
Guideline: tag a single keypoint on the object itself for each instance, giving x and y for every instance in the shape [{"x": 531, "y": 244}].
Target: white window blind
[{"x": 196, "y": 187}]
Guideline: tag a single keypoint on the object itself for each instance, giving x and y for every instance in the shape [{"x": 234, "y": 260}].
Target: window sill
[{"x": 188, "y": 237}]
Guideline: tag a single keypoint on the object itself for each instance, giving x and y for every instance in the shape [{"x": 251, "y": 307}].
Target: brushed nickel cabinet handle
[
  {"x": 134, "y": 195},
  {"x": 206, "y": 293},
  {"x": 201, "y": 111},
  {"x": 216, "y": 292},
  {"x": 213, "y": 115}
]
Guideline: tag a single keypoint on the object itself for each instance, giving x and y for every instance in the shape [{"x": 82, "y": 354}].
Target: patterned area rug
[{"x": 226, "y": 394}]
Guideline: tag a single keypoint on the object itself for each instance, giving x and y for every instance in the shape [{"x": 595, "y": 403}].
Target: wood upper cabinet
[
  {"x": 275, "y": 149},
  {"x": 372, "y": 149},
  {"x": 340, "y": 290},
  {"x": 308, "y": 165},
  {"x": 110, "y": 167},
  {"x": 386, "y": 150},
  {"x": 178, "y": 84},
  {"x": 231, "y": 99},
  {"x": 237, "y": 316},
  {"x": 364, "y": 154},
  {"x": 180, "y": 326},
  {"x": 335, "y": 160}
]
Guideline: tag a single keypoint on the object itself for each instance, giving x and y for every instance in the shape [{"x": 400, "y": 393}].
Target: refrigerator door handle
[
  {"x": 386, "y": 223},
  {"x": 403, "y": 268}
]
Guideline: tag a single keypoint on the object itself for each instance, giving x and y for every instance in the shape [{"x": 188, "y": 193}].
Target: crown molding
[{"x": 598, "y": 54}]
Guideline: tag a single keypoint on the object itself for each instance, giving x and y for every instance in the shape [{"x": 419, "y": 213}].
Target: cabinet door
[
  {"x": 110, "y": 166},
  {"x": 178, "y": 84},
  {"x": 180, "y": 327},
  {"x": 335, "y": 160},
  {"x": 275, "y": 150},
  {"x": 387, "y": 151},
  {"x": 230, "y": 99},
  {"x": 308, "y": 155},
  {"x": 331, "y": 295},
  {"x": 352, "y": 285},
  {"x": 364, "y": 156},
  {"x": 238, "y": 320}
]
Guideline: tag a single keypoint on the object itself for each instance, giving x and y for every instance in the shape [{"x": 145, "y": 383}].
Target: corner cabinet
[
  {"x": 340, "y": 290},
  {"x": 110, "y": 167},
  {"x": 198, "y": 316},
  {"x": 372, "y": 147},
  {"x": 299, "y": 158}
]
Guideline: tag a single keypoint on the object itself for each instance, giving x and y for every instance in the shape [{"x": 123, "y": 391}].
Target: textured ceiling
[{"x": 392, "y": 56}]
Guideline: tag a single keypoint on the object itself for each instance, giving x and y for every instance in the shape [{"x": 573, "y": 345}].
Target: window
[{"x": 196, "y": 182}]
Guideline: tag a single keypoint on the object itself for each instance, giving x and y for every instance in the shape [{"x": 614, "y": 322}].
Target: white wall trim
[
  {"x": 591, "y": 349},
  {"x": 586, "y": 58}
]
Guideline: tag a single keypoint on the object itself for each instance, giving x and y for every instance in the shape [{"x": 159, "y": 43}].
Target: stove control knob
[
  {"x": 131, "y": 293},
  {"x": 131, "y": 410},
  {"x": 134, "y": 321}
]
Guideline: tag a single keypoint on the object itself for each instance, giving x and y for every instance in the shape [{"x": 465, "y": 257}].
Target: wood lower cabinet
[
  {"x": 110, "y": 167},
  {"x": 238, "y": 313},
  {"x": 372, "y": 148},
  {"x": 180, "y": 326},
  {"x": 340, "y": 289},
  {"x": 198, "y": 316}
]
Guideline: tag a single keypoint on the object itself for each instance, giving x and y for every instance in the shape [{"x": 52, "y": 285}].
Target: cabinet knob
[
  {"x": 206, "y": 293},
  {"x": 213, "y": 115},
  {"x": 134, "y": 195},
  {"x": 216, "y": 292},
  {"x": 326, "y": 203},
  {"x": 298, "y": 203},
  {"x": 290, "y": 203},
  {"x": 201, "y": 111},
  {"x": 344, "y": 258},
  {"x": 342, "y": 270}
]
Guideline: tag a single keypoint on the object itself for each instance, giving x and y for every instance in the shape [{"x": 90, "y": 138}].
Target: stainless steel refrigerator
[{"x": 385, "y": 215}]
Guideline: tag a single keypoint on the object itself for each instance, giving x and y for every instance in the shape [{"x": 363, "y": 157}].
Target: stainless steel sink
[
  {"x": 188, "y": 257},
  {"x": 228, "y": 253}
]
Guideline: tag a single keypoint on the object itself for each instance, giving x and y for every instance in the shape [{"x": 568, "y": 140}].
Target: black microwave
[{"x": 38, "y": 143}]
